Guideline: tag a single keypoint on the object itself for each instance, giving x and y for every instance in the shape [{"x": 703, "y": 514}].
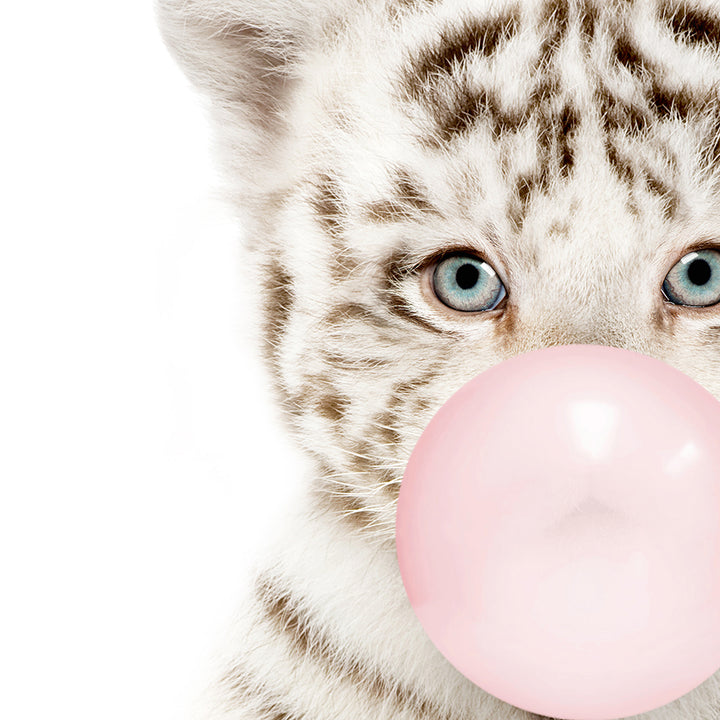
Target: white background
[{"x": 141, "y": 462}]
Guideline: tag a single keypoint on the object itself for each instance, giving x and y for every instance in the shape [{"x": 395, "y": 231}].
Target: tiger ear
[{"x": 245, "y": 56}]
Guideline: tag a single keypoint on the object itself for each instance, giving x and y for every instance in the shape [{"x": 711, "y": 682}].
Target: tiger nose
[{"x": 558, "y": 532}]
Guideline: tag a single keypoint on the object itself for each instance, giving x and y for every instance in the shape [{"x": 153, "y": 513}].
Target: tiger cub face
[{"x": 438, "y": 185}]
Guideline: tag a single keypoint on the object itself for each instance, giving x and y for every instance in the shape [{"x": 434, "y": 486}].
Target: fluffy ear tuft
[{"x": 245, "y": 56}]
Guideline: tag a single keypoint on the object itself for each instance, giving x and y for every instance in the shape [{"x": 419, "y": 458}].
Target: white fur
[{"x": 301, "y": 89}]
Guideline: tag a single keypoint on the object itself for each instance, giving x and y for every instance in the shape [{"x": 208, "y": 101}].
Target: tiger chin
[{"x": 432, "y": 187}]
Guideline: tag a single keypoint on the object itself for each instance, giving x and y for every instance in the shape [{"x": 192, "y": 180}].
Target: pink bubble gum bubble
[{"x": 558, "y": 532}]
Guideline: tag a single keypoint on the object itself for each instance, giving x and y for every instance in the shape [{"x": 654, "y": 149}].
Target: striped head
[{"x": 435, "y": 186}]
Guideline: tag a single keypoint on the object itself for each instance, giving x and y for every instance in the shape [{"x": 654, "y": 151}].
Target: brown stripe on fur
[
  {"x": 545, "y": 90},
  {"x": 627, "y": 55},
  {"x": 556, "y": 20},
  {"x": 455, "y": 107},
  {"x": 668, "y": 196},
  {"x": 398, "y": 267},
  {"x": 526, "y": 187},
  {"x": 386, "y": 211},
  {"x": 385, "y": 426},
  {"x": 692, "y": 25},
  {"x": 620, "y": 164},
  {"x": 290, "y": 616},
  {"x": 408, "y": 388},
  {"x": 408, "y": 199},
  {"x": 334, "y": 406},
  {"x": 663, "y": 101},
  {"x": 341, "y": 503},
  {"x": 331, "y": 494},
  {"x": 483, "y": 36},
  {"x": 271, "y": 712},
  {"x": 711, "y": 337},
  {"x": 468, "y": 107},
  {"x": 422, "y": 404},
  {"x": 340, "y": 314},
  {"x": 343, "y": 362},
  {"x": 664, "y": 317},
  {"x": 618, "y": 115},
  {"x": 569, "y": 123},
  {"x": 306, "y": 398},
  {"x": 362, "y": 458},
  {"x": 506, "y": 326},
  {"x": 245, "y": 689},
  {"x": 318, "y": 394},
  {"x": 632, "y": 206},
  {"x": 328, "y": 205},
  {"x": 279, "y": 299},
  {"x": 588, "y": 20},
  {"x": 411, "y": 191},
  {"x": 671, "y": 103},
  {"x": 365, "y": 461}
]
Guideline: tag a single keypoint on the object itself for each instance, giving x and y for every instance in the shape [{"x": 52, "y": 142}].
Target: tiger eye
[{"x": 466, "y": 283}]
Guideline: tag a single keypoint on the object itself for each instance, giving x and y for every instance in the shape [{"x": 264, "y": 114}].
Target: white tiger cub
[{"x": 572, "y": 145}]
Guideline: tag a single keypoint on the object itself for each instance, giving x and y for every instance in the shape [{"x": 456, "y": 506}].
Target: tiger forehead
[
  {"x": 532, "y": 95},
  {"x": 466, "y": 70}
]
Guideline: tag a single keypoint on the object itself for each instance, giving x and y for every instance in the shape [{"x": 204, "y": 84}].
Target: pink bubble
[{"x": 558, "y": 532}]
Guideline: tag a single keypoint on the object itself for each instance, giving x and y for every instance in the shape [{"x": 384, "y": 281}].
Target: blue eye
[
  {"x": 695, "y": 280},
  {"x": 466, "y": 283}
]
